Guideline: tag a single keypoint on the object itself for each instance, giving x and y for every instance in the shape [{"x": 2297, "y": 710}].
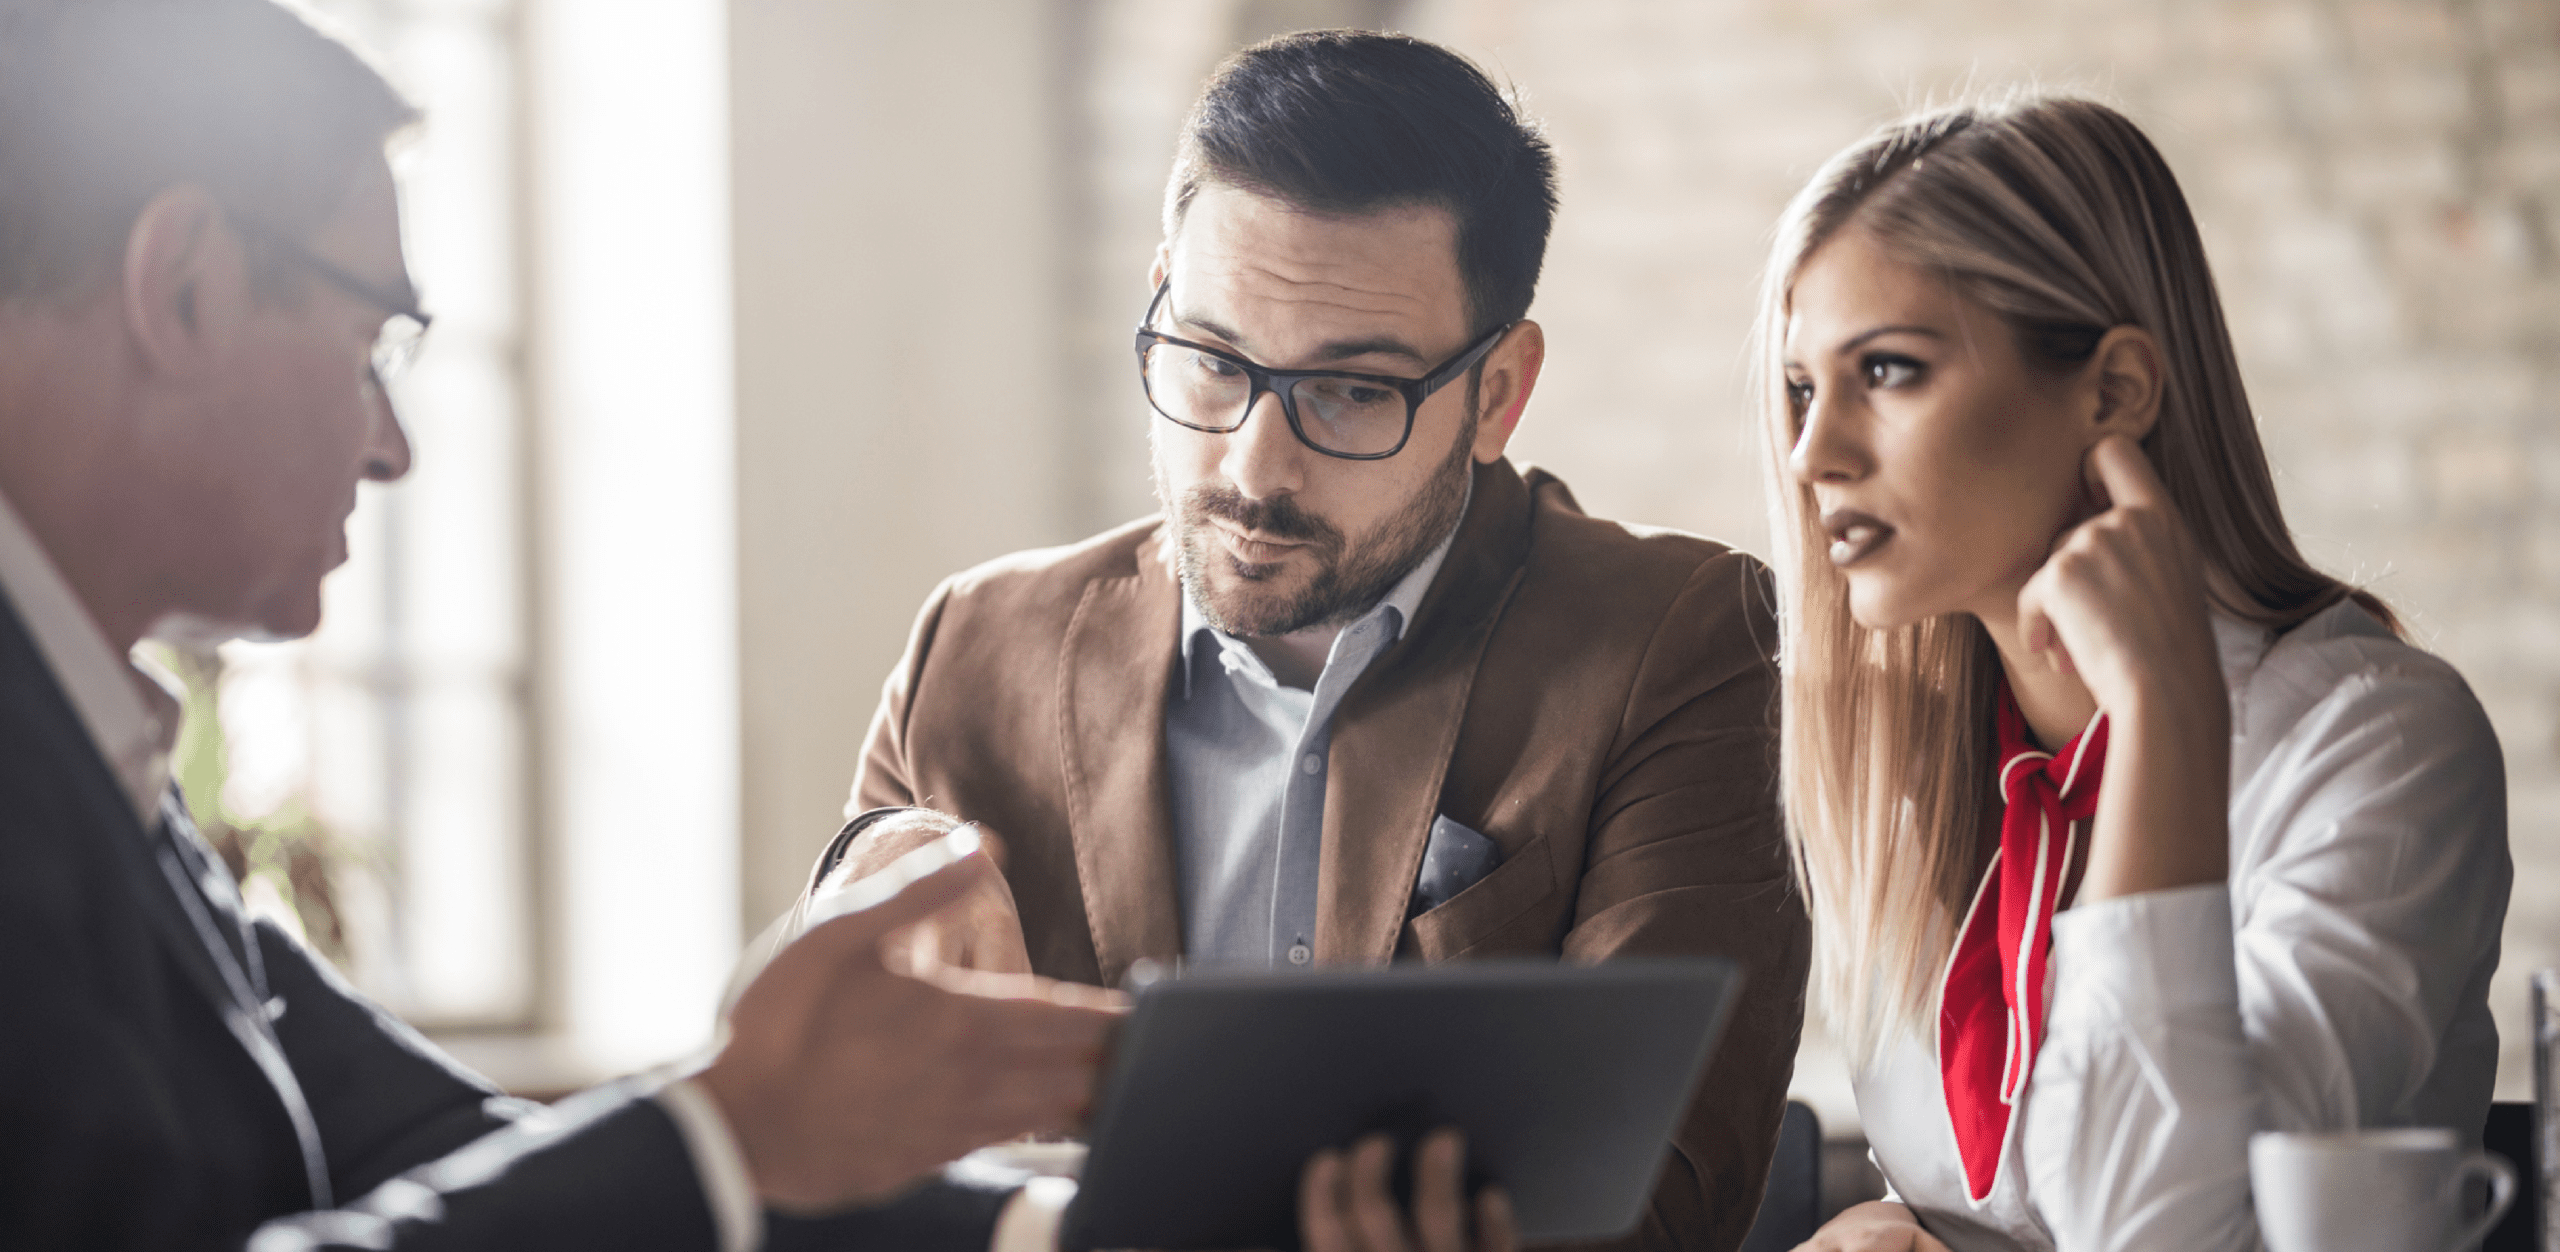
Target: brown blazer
[{"x": 1597, "y": 699}]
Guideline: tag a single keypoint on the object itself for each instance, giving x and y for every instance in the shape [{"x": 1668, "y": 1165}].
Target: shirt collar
[
  {"x": 1397, "y": 606},
  {"x": 131, "y": 719}
]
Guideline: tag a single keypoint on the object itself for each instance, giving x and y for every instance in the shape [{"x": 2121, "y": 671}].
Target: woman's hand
[
  {"x": 1876, "y": 1226},
  {"x": 1344, "y": 1204},
  {"x": 2121, "y": 602}
]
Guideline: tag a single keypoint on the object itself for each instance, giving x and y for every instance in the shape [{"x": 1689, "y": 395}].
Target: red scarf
[{"x": 1991, "y": 1011}]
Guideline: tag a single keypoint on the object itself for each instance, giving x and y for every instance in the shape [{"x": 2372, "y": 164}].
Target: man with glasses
[
  {"x": 404, "y": 324},
  {"x": 202, "y": 294},
  {"x": 202, "y": 298},
  {"x": 1363, "y": 692}
]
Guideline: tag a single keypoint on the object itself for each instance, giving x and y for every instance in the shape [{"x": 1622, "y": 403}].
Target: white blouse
[{"x": 2339, "y": 980}]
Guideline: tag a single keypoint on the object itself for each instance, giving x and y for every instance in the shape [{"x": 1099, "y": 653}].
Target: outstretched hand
[
  {"x": 980, "y": 931},
  {"x": 845, "y": 1080}
]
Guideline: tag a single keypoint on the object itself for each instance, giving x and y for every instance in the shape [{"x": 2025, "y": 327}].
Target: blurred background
[{"x": 756, "y": 318}]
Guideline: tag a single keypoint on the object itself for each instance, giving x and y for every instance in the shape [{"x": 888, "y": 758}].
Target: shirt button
[
  {"x": 1299, "y": 954},
  {"x": 1311, "y": 763}
]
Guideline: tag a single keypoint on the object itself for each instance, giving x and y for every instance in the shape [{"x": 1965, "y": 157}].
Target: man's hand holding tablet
[{"x": 1345, "y": 1203}]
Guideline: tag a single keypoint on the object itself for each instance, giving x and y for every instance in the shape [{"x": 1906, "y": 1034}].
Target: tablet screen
[{"x": 1567, "y": 1079}]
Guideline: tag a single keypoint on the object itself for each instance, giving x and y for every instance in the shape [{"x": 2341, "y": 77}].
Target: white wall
[
  {"x": 897, "y": 250},
  {"x": 638, "y": 534}
]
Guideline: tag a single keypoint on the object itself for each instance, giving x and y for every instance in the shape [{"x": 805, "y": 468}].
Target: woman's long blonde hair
[{"x": 2058, "y": 215}]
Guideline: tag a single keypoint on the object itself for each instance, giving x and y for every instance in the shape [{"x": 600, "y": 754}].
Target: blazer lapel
[
  {"x": 1398, "y": 726},
  {"x": 207, "y": 918},
  {"x": 1121, "y": 649},
  {"x": 106, "y": 816},
  {"x": 171, "y": 888}
]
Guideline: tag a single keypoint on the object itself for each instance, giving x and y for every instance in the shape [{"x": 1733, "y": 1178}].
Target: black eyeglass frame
[
  {"x": 397, "y": 304},
  {"x": 1280, "y": 382}
]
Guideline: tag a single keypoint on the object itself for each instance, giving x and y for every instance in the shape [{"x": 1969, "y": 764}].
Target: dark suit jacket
[
  {"x": 174, "y": 1076},
  {"x": 1598, "y": 700}
]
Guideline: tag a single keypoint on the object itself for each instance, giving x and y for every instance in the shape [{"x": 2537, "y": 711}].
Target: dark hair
[
  {"x": 1350, "y": 121},
  {"x": 105, "y": 104}
]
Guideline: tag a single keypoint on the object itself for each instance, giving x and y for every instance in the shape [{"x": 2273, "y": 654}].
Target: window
[{"x": 401, "y": 729}]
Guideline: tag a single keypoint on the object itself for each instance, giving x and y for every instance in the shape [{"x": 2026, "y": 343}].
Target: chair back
[
  {"x": 1792, "y": 1207},
  {"x": 2509, "y": 1133}
]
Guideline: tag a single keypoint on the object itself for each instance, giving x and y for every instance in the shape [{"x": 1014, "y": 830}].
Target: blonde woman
[{"x": 2126, "y": 833}]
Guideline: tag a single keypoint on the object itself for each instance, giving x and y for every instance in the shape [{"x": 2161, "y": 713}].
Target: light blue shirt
[{"x": 1247, "y": 760}]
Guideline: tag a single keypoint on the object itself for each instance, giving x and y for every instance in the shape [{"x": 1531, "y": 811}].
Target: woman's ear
[{"x": 2126, "y": 374}]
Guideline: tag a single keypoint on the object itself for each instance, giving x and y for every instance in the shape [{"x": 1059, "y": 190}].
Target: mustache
[{"x": 1278, "y": 517}]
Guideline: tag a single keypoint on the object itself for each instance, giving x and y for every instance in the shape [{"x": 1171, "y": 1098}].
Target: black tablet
[{"x": 1567, "y": 1080}]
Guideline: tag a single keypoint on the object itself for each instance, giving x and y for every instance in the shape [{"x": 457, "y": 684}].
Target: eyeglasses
[
  {"x": 1359, "y": 417},
  {"x": 402, "y": 332}
]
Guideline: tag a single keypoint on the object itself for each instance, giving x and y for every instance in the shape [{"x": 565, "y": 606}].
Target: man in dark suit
[
  {"x": 1364, "y": 691},
  {"x": 201, "y": 291},
  {"x": 200, "y": 280}
]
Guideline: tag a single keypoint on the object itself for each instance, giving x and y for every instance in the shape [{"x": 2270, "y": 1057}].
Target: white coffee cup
[{"x": 2373, "y": 1190}]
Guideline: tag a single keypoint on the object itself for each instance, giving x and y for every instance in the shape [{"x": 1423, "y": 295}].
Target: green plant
[{"x": 288, "y": 851}]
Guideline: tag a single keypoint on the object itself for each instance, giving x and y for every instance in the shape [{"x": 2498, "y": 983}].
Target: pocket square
[{"x": 1452, "y": 862}]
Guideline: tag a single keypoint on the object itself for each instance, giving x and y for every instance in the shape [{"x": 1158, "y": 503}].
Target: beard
[{"x": 1349, "y": 579}]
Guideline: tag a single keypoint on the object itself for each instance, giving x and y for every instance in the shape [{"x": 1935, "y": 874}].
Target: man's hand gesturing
[
  {"x": 844, "y": 1081},
  {"x": 980, "y": 931}
]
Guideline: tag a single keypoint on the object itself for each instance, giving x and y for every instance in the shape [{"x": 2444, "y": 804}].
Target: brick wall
[{"x": 2378, "y": 182}]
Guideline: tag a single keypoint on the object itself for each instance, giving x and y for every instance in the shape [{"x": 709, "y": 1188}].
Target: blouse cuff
[{"x": 2149, "y": 955}]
